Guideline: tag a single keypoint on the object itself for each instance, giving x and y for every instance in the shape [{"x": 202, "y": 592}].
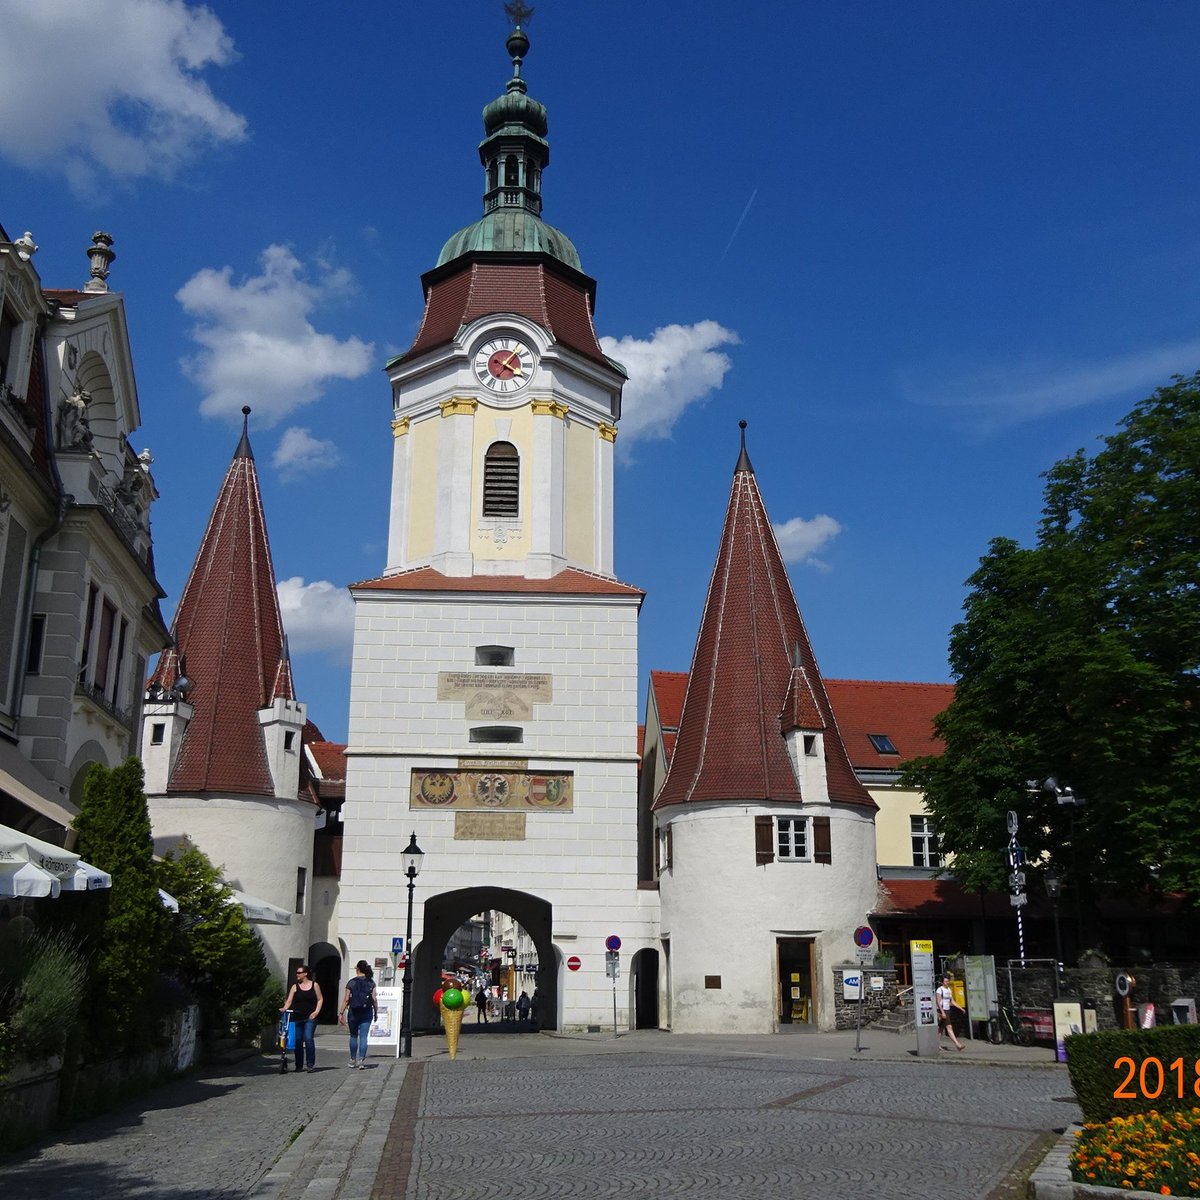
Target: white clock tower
[{"x": 494, "y": 686}]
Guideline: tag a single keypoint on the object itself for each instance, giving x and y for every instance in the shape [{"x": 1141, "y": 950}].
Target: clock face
[{"x": 504, "y": 365}]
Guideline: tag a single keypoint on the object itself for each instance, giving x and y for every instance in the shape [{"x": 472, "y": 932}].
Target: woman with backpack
[{"x": 359, "y": 1011}]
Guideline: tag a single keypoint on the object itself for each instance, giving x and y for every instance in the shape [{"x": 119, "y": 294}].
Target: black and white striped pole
[{"x": 1016, "y": 881}]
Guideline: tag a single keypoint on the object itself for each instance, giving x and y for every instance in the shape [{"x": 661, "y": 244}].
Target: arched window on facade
[{"x": 501, "y": 480}]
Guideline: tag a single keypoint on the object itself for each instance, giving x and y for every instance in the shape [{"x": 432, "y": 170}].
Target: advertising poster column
[{"x": 921, "y": 957}]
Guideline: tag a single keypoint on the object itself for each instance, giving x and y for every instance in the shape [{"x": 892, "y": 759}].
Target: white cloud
[
  {"x": 258, "y": 345},
  {"x": 317, "y": 616},
  {"x": 123, "y": 96},
  {"x": 1025, "y": 390},
  {"x": 675, "y": 368},
  {"x": 299, "y": 453},
  {"x": 800, "y": 540}
]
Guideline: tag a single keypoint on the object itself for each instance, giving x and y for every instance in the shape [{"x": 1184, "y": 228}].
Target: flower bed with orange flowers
[{"x": 1148, "y": 1152}]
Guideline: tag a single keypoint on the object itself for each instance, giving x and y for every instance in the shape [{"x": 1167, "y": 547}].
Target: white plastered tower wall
[
  {"x": 563, "y": 429},
  {"x": 256, "y": 843},
  {"x": 583, "y": 861},
  {"x": 724, "y": 914}
]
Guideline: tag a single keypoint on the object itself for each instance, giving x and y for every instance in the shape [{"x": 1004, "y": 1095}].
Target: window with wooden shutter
[
  {"x": 822, "y": 846},
  {"x": 764, "y": 840},
  {"x": 501, "y": 480}
]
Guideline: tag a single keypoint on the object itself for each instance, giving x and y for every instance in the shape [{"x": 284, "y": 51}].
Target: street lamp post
[
  {"x": 1067, "y": 798},
  {"x": 411, "y": 861},
  {"x": 1054, "y": 890}
]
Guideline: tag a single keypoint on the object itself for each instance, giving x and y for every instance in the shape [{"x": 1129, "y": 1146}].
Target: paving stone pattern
[
  {"x": 714, "y": 1127},
  {"x": 208, "y": 1137}
]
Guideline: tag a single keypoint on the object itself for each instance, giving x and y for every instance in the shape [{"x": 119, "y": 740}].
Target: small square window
[
  {"x": 289, "y": 739},
  {"x": 301, "y": 889},
  {"x": 810, "y": 745},
  {"x": 882, "y": 743},
  {"x": 158, "y": 731}
]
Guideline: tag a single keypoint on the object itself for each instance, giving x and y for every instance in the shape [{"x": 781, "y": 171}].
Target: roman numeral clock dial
[{"x": 504, "y": 365}]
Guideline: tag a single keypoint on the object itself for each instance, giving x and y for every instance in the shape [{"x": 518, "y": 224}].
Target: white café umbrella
[
  {"x": 30, "y": 867},
  {"x": 27, "y": 881},
  {"x": 259, "y": 912},
  {"x": 86, "y": 878}
]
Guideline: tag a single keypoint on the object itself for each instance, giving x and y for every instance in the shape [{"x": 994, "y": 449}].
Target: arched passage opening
[
  {"x": 644, "y": 979},
  {"x": 444, "y": 913},
  {"x": 326, "y": 965}
]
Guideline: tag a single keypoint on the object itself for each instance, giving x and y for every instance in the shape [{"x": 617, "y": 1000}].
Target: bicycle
[{"x": 1004, "y": 1026}]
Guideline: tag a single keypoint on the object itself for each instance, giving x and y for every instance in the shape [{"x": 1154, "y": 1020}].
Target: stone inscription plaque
[
  {"x": 489, "y": 827},
  {"x": 489, "y": 697},
  {"x": 544, "y": 791}
]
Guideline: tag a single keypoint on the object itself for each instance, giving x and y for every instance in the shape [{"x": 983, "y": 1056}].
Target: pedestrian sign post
[
  {"x": 921, "y": 957},
  {"x": 612, "y": 968}
]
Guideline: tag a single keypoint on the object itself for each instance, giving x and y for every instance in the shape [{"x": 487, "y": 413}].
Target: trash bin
[{"x": 1183, "y": 1011}]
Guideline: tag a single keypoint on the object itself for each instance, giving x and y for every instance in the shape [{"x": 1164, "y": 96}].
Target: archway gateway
[{"x": 444, "y": 913}]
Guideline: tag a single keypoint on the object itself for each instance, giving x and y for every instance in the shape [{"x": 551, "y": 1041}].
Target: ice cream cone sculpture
[{"x": 453, "y": 1006}]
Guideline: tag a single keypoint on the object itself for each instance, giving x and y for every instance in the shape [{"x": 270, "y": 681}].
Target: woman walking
[
  {"x": 359, "y": 1011},
  {"x": 305, "y": 1000}
]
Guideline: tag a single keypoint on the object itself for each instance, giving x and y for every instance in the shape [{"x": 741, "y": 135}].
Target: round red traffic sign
[
  {"x": 574, "y": 963},
  {"x": 612, "y": 942}
]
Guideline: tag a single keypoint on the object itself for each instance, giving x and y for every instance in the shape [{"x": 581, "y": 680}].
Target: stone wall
[
  {"x": 1160, "y": 985},
  {"x": 875, "y": 1002}
]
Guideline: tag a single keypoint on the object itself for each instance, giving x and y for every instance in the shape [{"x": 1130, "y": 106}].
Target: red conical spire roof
[
  {"x": 753, "y": 676},
  {"x": 229, "y": 642}
]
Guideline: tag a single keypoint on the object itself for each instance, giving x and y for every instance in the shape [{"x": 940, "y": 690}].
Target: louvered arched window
[{"x": 501, "y": 480}]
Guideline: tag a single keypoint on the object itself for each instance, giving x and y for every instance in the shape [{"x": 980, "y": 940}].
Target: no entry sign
[{"x": 574, "y": 963}]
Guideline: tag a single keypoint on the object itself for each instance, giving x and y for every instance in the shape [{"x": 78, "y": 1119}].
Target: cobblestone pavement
[
  {"x": 206, "y": 1137},
  {"x": 722, "y": 1123},
  {"x": 531, "y": 1116}
]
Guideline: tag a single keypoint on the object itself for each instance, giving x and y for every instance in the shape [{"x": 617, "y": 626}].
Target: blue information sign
[{"x": 397, "y": 945}]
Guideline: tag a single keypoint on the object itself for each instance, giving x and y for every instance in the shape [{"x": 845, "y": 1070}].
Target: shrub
[
  {"x": 132, "y": 933},
  {"x": 1148, "y": 1152},
  {"x": 220, "y": 955},
  {"x": 48, "y": 995},
  {"x": 249, "y": 1019},
  {"x": 1119, "y": 1072}
]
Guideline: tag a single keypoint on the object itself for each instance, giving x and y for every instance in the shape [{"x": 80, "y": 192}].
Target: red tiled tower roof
[
  {"x": 229, "y": 641},
  {"x": 551, "y": 294},
  {"x": 753, "y": 676}
]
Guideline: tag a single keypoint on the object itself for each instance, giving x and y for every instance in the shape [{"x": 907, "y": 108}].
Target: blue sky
[{"x": 925, "y": 249}]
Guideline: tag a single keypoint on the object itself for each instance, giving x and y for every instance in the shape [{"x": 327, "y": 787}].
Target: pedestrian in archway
[
  {"x": 481, "y": 1006},
  {"x": 523, "y": 1003}
]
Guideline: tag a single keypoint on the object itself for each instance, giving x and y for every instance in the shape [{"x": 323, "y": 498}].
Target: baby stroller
[{"x": 287, "y": 1039}]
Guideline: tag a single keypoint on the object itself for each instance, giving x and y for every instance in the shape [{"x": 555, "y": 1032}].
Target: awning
[
  {"x": 259, "y": 912},
  {"x": 24, "y": 782}
]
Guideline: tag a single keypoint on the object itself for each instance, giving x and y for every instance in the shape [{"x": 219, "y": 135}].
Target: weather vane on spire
[{"x": 518, "y": 13}]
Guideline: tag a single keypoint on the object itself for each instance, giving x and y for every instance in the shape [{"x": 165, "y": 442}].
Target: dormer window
[
  {"x": 882, "y": 743},
  {"x": 501, "y": 480}
]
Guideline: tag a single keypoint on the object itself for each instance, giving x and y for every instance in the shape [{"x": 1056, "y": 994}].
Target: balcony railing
[{"x": 123, "y": 716}]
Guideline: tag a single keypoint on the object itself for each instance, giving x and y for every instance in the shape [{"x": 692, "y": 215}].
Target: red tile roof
[
  {"x": 752, "y": 640},
  {"x": 669, "y": 688},
  {"x": 568, "y": 582},
  {"x": 331, "y": 759},
  {"x": 902, "y": 711},
  {"x": 229, "y": 641},
  {"x": 937, "y": 898},
  {"x": 534, "y": 286}
]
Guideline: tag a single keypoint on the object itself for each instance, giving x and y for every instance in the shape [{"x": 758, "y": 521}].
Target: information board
[{"x": 385, "y": 1030}]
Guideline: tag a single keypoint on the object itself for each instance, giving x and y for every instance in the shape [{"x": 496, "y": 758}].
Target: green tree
[
  {"x": 1080, "y": 657},
  {"x": 132, "y": 931},
  {"x": 220, "y": 955}
]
